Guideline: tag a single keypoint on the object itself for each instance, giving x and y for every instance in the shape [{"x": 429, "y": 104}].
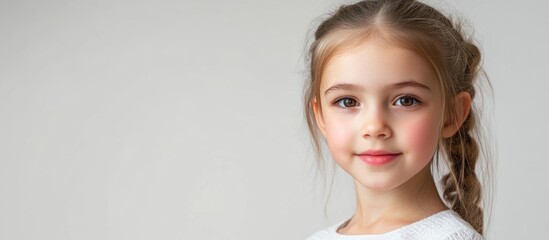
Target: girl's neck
[{"x": 379, "y": 212}]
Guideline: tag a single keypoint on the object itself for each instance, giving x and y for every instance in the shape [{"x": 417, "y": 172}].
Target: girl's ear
[
  {"x": 318, "y": 117},
  {"x": 463, "y": 105}
]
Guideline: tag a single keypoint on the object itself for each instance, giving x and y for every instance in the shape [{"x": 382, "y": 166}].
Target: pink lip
[{"x": 378, "y": 157}]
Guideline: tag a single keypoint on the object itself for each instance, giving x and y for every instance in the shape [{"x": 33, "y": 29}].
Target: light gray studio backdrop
[{"x": 183, "y": 119}]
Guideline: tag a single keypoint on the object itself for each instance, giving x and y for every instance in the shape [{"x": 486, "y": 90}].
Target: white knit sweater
[{"x": 447, "y": 225}]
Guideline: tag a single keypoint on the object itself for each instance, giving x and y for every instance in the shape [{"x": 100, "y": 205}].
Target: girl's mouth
[{"x": 378, "y": 157}]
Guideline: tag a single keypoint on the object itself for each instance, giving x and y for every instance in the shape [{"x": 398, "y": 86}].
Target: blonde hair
[{"x": 455, "y": 59}]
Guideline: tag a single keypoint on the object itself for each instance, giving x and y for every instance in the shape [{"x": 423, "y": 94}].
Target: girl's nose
[{"x": 376, "y": 125}]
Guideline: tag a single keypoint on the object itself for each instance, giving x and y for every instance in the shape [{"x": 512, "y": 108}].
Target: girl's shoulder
[{"x": 442, "y": 225}]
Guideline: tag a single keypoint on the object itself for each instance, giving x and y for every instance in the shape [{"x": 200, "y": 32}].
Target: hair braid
[{"x": 462, "y": 188}]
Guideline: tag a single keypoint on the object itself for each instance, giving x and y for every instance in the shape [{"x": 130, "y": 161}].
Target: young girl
[{"x": 391, "y": 88}]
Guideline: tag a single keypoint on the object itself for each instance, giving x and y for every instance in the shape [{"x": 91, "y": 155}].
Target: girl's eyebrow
[
  {"x": 410, "y": 83},
  {"x": 350, "y": 86}
]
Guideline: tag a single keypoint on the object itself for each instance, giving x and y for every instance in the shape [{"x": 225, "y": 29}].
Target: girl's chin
[{"x": 379, "y": 185}]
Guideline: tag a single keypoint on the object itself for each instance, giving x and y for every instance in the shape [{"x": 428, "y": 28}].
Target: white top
[{"x": 446, "y": 225}]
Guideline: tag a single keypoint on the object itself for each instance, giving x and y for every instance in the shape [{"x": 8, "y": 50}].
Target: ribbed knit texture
[{"x": 445, "y": 225}]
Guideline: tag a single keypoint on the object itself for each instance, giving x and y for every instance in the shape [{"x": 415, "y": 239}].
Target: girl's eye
[
  {"x": 407, "y": 101},
  {"x": 346, "y": 102}
]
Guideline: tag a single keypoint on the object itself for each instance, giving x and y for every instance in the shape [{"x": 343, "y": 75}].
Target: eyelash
[
  {"x": 336, "y": 102},
  {"x": 414, "y": 99}
]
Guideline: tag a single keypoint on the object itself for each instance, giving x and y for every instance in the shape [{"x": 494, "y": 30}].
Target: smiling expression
[{"x": 381, "y": 109}]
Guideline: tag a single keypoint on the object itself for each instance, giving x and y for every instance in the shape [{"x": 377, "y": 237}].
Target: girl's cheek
[
  {"x": 422, "y": 137},
  {"x": 336, "y": 134},
  {"x": 338, "y": 137}
]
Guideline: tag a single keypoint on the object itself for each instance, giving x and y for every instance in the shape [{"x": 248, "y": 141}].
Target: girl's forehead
[{"x": 374, "y": 64}]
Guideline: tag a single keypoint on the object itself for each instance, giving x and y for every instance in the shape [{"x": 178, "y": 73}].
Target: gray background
[{"x": 182, "y": 119}]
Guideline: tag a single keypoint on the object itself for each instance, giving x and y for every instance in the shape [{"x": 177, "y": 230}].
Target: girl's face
[{"x": 381, "y": 108}]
